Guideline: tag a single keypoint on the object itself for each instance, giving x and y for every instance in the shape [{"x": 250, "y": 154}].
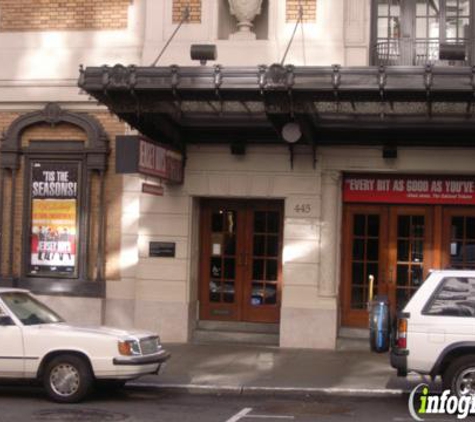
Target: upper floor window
[{"x": 417, "y": 32}]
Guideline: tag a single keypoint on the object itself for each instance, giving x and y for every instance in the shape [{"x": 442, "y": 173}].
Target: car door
[{"x": 11, "y": 346}]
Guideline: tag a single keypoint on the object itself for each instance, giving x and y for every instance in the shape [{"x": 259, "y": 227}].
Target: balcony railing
[{"x": 399, "y": 52}]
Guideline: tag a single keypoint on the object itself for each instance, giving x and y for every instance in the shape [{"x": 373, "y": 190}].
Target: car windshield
[{"x": 28, "y": 310}]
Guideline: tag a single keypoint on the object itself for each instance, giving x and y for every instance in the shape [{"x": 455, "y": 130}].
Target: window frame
[{"x": 80, "y": 284}]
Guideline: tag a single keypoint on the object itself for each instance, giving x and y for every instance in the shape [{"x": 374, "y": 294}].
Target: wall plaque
[{"x": 162, "y": 249}]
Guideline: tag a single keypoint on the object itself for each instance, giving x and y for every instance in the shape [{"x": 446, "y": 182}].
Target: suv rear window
[{"x": 454, "y": 297}]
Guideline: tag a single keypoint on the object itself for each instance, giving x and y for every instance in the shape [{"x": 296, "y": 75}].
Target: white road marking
[
  {"x": 244, "y": 413},
  {"x": 240, "y": 414}
]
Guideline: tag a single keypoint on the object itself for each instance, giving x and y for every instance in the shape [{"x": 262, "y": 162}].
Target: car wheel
[
  {"x": 459, "y": 377},
  {"x": 67, "y": 378}
]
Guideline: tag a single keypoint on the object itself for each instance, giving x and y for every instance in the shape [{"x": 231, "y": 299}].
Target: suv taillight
[{"x": 401, "y": 339}]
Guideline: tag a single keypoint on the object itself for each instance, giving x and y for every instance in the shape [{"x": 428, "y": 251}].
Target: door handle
[
  {"x": 371, "y": 286},
  {"x": 390, "y": 275},
  {"x": 243, "y": 259}
]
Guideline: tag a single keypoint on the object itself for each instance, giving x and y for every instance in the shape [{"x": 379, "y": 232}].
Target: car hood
[{"x": 98, "y": 330}]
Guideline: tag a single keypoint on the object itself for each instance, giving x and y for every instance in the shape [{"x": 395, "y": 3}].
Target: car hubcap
[
  {"x": 465, "y": 384},
  {"x": 64, "y": 379}
]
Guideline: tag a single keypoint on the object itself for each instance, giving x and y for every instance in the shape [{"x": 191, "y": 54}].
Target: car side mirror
[{"x": 5, "y": 320}]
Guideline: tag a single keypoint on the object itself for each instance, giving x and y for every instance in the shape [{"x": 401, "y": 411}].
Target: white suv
[{"x": 436, "y": 331}]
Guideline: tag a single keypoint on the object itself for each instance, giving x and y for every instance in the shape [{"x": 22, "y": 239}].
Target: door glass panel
[
  {"x": 216, "y": 267},
  {"x": 271, "y": 294},
  {"x": 230, "y": 244},
  {"x": 273, "y": 222},
  {"x": 402, "y": 297},
  {"x": 403, "y": 250},
  {"x": 403, "y": 226},
  {"x": 265, "y": 257},
  {"x": 373, "y": 226},
  {"x": 258, "y": 269},
  {"x": 272, "y": 246},
  {"x": 410, "y": 256},
  {"x": 417, "y": 251},
  {"x": 259, "y": 246},
  {"x": 471, "y": 228},
  {"x": 217, "y": 222},
  {"x": 229, "y": 268},
  {"x": 228, "y": 294},
  {"x": 403, "y": 275},
  {"x": 365, "y": 257},
  {"x": 358, "y": 297},
  {"x": 215, "y": 291},
  {"x": 359, "y": 225},
  {"x": 222, "y": 263},
  {"x": 271, "y": 270},
  {"x": 373, "y": 249},
  {"x": 358, "y": 249},
  {"x": 257, "y": 296},
  {"x": 462, "y": 244},
  {"x": 358, "y": 273},
  {"x": 417, "y": 275},
  {"x": 259, "y": 222},
  {"x": 457, "y": 227}
]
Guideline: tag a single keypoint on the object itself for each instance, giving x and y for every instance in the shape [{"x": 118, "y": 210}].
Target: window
[
  {"x": 417, "y": 32},
  {"x": 454, "y": 297}
]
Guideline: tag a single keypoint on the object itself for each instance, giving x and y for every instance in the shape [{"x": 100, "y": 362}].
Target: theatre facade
[
  {"x": 239, "y": 201},
  {"x": 378, "y": 185}
]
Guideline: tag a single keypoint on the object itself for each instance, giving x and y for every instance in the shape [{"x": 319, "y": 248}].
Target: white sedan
[{"x": 36, "y": 343}]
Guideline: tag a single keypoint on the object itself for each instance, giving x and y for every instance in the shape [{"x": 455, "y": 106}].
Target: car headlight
[{"x": 129, "y": 348}]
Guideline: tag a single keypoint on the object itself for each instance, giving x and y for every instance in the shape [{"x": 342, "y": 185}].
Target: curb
[{"x": 270, "y": 391}]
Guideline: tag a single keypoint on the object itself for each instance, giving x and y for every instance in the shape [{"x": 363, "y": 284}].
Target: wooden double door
[
  {"x": 241, "y": 260},
  {"x": 398, "y": 245}
]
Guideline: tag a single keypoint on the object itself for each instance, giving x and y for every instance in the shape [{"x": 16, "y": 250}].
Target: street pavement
[
  {"x": 145, "y": 404},
  {"x": 248, "y": 369}
]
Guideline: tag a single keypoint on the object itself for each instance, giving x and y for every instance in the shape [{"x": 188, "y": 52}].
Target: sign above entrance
[
  {"x": 137, "y": 154},
  {"x": 409, "y": 189}
]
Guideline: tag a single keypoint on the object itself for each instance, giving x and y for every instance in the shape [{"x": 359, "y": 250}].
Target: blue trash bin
[{"x": 379, "y": 324}]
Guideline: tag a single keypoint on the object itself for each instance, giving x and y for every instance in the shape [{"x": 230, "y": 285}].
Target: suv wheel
[
  {"x": 67, "y": 378},
  {"x": 459, "y": 377}
]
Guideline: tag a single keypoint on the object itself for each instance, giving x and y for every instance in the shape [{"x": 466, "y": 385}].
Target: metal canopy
[{"x": 333, "y": 105}]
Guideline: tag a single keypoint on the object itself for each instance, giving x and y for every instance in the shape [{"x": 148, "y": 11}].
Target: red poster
[{"x": 409, "y": 189}]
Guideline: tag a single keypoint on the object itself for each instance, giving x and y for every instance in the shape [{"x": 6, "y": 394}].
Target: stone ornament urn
[{"x": 245, "y": 11}]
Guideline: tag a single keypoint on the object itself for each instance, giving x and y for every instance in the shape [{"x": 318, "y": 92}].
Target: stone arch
[{"x": 53, "y": 114}]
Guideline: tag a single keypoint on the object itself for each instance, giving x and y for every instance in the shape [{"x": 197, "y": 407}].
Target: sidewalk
[{"x": 241, "y": 369}]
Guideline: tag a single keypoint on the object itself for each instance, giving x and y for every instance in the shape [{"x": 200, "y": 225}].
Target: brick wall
[
  {"x": 309, "y": 10},
  {"x": 194, "y": 9},
  {"x": 65, "y": 131},
  {"x": 42, "y": 15}
]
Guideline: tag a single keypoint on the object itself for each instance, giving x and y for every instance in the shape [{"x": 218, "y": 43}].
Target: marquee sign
[
  {"x": 409, "y": 189},
  {"x": 137, "y": 154}
]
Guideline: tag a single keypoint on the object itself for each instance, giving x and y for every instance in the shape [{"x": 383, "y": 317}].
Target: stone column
[{"x": 331, "y": 185}]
